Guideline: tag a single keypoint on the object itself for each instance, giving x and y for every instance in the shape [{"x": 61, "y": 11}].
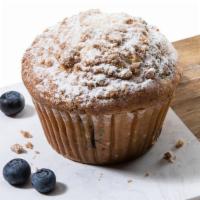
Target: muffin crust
[{"x": 95, "y": 62}]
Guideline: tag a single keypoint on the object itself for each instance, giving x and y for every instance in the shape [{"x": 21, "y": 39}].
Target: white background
[{"x": 22, "y": 20}]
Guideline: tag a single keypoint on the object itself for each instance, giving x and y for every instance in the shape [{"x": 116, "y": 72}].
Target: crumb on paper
[
  {"x": 26, "y": 134},
  {"x": 37, "y": 152},
  {"x": 168, "y": 156},
  {"x": 17, "y": 148},
  {"x": 130, "y": 181},
  {"x": 146, "y": 174},
  {"x": 29, "y": 145},
  {"x": 100, "y": 176},
  {"x": 179, "y": 143},
  {"x": 35, "y": 155}
]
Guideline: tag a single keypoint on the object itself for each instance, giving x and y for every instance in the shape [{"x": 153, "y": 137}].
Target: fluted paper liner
[{"x": 102, "y": 139}]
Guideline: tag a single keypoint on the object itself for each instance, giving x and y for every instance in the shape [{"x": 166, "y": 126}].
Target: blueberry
[
  {"x": 11, "y": 103},
  {"x": 17, "y": 172},
  {"x": 44, "y": 180}
]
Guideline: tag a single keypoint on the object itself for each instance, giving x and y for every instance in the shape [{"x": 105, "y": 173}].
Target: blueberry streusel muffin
[{"x": 101, "y": 84}]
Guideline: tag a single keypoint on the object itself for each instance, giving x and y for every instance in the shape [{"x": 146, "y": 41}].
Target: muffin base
[{"x": 105, "y": 138}]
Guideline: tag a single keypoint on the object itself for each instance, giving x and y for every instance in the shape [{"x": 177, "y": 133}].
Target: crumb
[
  {"x": 49, "y": 63},
  {"x": 130, "y": 181},
  {"x": 62, "y": 46},
  {"x": 169, "y": 157},
  {"x": 37, "y": 152},
  {"x": 29, "y": 145},
  {"x": 129, "y": 21},
  {"x": 100, "y": 176},
  {"x": 146, "y": 174},
  {"x": 150, "y": 73},
  {"x": 17, "y": 148},
  {"x": 42, "y": 62},
  {"x": 179, "y": 143},
  {"x": 26, "y": 134}
]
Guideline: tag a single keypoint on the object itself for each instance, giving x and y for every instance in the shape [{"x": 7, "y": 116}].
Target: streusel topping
[{"x": 94, "y": 55}]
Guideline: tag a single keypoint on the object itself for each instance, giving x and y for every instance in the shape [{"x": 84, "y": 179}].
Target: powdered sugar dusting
[{"x": 100, "y": 56}]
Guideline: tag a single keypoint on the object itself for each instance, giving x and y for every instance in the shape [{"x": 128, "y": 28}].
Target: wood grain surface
[{"x": 186, "y": 102}]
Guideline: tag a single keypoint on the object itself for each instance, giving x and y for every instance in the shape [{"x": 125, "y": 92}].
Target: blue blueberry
[
  {"x": 11, "y": 103},
  {"x": 44, "y": 180},
  {"x": 17, "y": 172}
]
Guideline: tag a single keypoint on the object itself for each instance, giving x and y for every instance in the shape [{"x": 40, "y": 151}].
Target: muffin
[{"x": 101, "y": 84}]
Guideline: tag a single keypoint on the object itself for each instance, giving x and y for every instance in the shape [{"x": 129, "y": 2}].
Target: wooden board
[{"x": 186, "y": 102}]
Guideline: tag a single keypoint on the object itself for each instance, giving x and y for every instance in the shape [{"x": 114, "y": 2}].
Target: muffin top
[{"x": 96, "y": 60}]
